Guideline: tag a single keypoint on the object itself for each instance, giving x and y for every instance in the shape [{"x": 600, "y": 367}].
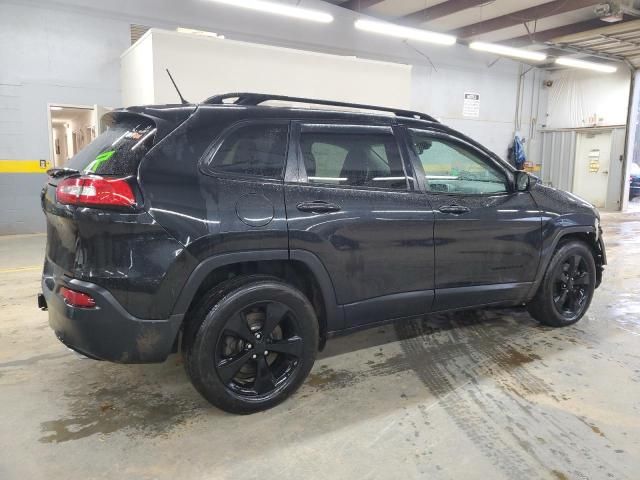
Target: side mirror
[{"x": 523, "y": 181}]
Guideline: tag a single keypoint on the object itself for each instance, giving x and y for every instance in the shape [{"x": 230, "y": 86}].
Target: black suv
[{"x": 246, "y": 234}]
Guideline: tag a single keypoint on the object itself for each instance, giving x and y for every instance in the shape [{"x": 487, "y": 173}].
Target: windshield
[{"x": 118, "y": 150}]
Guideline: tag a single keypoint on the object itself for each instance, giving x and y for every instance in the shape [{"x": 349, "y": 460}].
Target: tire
[
  {"x": 251, "y": 343},
  {"x": 566, "y": 292}
]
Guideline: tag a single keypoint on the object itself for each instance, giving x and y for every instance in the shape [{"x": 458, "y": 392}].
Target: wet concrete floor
[{"x": 473, "y": 395}]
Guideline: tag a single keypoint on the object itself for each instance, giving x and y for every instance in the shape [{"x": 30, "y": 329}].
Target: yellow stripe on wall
[{"x": 24, "y": 166}]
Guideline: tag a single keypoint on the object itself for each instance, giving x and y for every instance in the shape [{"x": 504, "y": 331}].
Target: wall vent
[{"x": 137, "y": 31}]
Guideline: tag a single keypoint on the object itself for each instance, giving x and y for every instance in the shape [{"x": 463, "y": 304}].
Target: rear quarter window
[
  {"x": 252, "y": 149},
  {"x": 119, "y": 149}
]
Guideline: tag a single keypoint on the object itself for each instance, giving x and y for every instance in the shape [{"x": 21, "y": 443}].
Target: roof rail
[{"x": 252, "y": 99}]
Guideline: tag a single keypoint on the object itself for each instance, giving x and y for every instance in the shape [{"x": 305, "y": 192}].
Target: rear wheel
[
  {"x": 252, "y": 345},
  {"x": 567, "y": 287}
]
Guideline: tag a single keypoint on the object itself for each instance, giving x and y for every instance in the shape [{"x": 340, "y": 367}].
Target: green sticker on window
[{"x": 100, "y": 159}]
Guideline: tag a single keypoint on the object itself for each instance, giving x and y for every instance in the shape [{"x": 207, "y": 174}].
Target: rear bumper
[{"x": 108, "y": 331}]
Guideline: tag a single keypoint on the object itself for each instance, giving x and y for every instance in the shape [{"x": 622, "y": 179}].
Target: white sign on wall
[{"x": 471, "y": 105}]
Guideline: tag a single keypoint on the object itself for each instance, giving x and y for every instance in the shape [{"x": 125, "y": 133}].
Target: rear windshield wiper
[{"x": 61, "y": 172}]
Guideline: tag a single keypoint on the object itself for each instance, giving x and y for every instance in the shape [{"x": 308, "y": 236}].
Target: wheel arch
[
  {"x": 301, "y": 268},
  {"x": 586, "y": 234}
]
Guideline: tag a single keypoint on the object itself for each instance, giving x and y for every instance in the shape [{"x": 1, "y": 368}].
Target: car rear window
[
  {"x": 119, "y": 149},
  {"x": 254, "y": 149}
]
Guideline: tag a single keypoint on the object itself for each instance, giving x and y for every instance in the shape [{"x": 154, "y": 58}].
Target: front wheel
[
  {"x": 253, "y": 345},
  {"x": 567, "y": 288}
]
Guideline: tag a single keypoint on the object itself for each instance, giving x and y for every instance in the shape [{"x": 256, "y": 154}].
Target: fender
[
  {"x": 549, "y": 246},
  {"x": 334, "y": 312}
]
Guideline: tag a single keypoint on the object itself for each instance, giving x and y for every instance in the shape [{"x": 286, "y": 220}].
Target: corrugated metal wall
[{"x": 558, "y": 154}]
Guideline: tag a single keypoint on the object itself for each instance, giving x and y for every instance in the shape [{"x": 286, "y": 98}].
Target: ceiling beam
[
  {"x": 441, "y": 10},
  {"x": 359, "y": 5},
  {"x": 544, "y": 10},
  {"x": 546, "y": 35}
]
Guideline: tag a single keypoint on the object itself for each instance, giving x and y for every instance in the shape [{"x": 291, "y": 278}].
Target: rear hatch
[
  {"x": 93, "y": 205},
  {"x": 114, "y": 155}
]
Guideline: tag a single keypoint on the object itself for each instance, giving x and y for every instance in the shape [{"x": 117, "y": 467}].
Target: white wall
[
  {"x": 440, "y": 93},
  {"x": 202, "y": 66},
  {"x": 577, "y": 97},
  {"x": 137, "y": 74}
]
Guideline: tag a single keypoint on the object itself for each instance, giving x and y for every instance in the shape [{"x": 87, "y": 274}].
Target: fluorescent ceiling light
[
  {"x": 280, "y": 9},
  {"x": 507, "y": 51},
  {"x": 392, "y": 30},
  {"x": 574, "y": 62}
]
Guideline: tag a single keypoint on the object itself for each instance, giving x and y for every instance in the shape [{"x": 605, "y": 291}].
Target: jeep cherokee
[{"x": 245, "y": 234}]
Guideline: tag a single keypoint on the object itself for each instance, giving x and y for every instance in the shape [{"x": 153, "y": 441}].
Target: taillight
[
  {"x": 95, "y": 191},
  {"x": 77, "y": 299}
]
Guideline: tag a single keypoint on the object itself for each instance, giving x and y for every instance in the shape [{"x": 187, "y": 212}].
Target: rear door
[
  {"x": 487, "y": 236},
  {"x": 352, "y": 202}
]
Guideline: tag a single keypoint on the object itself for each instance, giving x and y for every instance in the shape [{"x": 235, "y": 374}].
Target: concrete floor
[{"x": 486, "y": 395}]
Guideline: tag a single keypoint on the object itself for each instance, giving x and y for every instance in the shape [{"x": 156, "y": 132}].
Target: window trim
[
  {"x": 464, "y": 144},
  {"x": 204, "y": 164},
  {"x": 302, "y": 126}
]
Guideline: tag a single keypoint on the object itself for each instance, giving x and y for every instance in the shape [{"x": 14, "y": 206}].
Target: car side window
[
  {"x": 253, "y": 149},
  {"x": 352, "y": 159},
  {"x": 451, "y": 168}
]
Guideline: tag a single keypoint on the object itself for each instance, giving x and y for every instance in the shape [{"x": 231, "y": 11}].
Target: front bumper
[
  {"x": 108, "y": 331},
  {"x": 601, "y": 259}
]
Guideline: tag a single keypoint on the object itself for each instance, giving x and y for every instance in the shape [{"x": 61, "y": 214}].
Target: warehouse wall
[
  {"x": 578, "y": 101},
  {"x": 47, "y": 56},
  {"x": 68, "y": 52},
  {"x": 579, "y": 98}
]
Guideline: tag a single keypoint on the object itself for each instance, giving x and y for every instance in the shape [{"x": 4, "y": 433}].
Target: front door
[
  {"x": 487, "y": 236},
  {"x": 354, "y": 205}
]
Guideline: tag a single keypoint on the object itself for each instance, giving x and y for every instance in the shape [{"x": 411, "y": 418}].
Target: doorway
[
  {"x": 592, "y": 167},
  {"x": 71, "y": 128}
]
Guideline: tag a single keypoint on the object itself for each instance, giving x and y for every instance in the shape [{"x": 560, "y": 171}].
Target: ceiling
[{"x": 571, "y": 27}]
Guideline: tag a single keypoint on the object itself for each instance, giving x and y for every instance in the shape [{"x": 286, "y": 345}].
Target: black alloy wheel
[
  {"x": 571, "y": 286},
  {"x": 250, "y": 343},
  {"x": 258, "y": 349},
  {"x": 567, "y": 288}
]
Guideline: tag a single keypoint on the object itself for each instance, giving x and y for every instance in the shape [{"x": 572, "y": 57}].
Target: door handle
[
  {"x": 454, "y": 209},
  {"x": 318, "y": 206}
]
